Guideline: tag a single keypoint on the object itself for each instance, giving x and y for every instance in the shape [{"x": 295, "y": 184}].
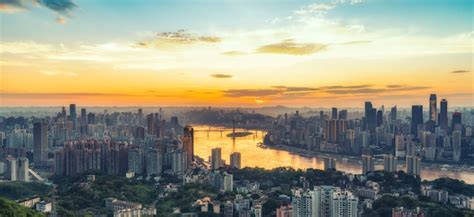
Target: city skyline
[{"x": 241, "y": 54}]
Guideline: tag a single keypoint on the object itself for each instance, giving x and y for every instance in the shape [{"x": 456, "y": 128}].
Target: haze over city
[{"x": 235, "y": 53}]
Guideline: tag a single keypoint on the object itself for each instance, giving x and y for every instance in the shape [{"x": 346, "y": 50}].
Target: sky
[{"x": 235, "y": 53}]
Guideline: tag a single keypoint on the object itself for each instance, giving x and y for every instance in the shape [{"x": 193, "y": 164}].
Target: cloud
[
  {"x": 57, "y": 73},
  {"x": 252, "y": 92},
  {"x": 459, "y": 71},
  {"x": 400, "y": 87},
  {"x": 315, "y": 8},
  {"x": 233, "y": 53},
  {"x": 294, "y": 91},
  {"x": 290, "y": 47},
  {"x": 297, "y": 89},
  {"x": 346, "y": 87},
  {"x": 63, "y": 7},
  {"x": 221, "y": 76},
  {"x": 60, "y": 20},
  {"x": 178, "y": 38},
  {"x": 28, "y": 95},
  {"x": 13, "y": 6},
  {"x": 367, "y": 89},
  {"x": 59, "y": 6}
]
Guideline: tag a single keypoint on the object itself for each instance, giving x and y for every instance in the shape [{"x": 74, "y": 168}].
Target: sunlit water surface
[{"x": 255, "y": 156}]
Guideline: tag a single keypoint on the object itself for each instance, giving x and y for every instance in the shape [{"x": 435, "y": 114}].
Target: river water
[{"x": 207, "y": 138}]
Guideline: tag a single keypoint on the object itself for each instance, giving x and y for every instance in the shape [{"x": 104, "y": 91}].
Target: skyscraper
[
  {"x": 135, "y": 160},
  {"x": 12, "y": 169},
  {"x": 73, "y": 114},
  {"x": 83, "y": 123},
  {"x": 178, "y": 162},
  {"x": 367, "y": 111},
  {"x": 329, "y": 163},
  {"x": 367, "y": 164},
  {"x": 154, "y": 162},
  {"x": 23, "y": 167},
  {"x": 323, "y": 199},
  {"x": 456, "y": 145},
  {"x": 343, "y": 114},
  {"x": 304, "y": 203},
  {"x": 216, "y": 158},
  {"x": 393, "y": 114},
  {"x": 379, "y": 118},
  {"x": 416, "y": 119},
  {"x": 389, "y": 163},
  {"x": 40, "y": 143},
  {"x": 188, "y": 143},
  {"x": 433, "y": 108},
  {"x": 344, "y": 204},
  {"x": 413, "y": 164},
  {"x": 235, "y": 159},
  {"x": 334, "y": 114},
  {"x": 443, "y": 115},
  {"x": 456, "y": 122}
]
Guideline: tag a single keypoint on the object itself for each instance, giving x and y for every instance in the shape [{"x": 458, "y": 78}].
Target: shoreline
[{"x": 314, "y": 154}]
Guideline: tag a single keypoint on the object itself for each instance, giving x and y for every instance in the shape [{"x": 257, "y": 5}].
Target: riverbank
[{"x": 348, "y": 158}]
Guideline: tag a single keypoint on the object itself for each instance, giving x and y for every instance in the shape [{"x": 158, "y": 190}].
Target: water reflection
[{"x": 207, "y": 138}]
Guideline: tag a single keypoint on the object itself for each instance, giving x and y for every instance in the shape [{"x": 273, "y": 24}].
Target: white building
[
  {"x": 344, "y": 204},
  {"x": 44, "y": 207}
]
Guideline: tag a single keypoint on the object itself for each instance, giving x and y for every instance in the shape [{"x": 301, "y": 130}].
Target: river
[{"x": 255, "y": 156}]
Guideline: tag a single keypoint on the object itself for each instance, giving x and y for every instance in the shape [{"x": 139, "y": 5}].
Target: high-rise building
[
  {"x": 333, "y": 129},
  {"x": 73, "y": 115},
  {"x": 393, "y": 114},
  {"x": 304, "y": 203},
  {"x": 379, "y": 118},
  {"x": 413, "y": 164},
  {"x": 178, "y": 162},
  {"x": 456, "y": 122},
  {"x": 63, "y": 113},
  {"x": 370, "y": 117},
  {"x": 416, "y": 119},
  {"x": 227, "y": 182},
  {"x": 329, "y": 163},
  {"x": 350, "y": 142},
  {"x": 334, "y": 113},
  {"x": 235, "y": 159},
  {"x": 150, "y": 120},
  {"x": 367, "y": 164},
  {"x": 400, "y": 145},
  {"x": 40, "y": 143},
  {"x": 135, "y": 160},
  {"x": 188, "y": 143},
  {"x": 443, "y": 115},
  {"x": 154, "y": 162},
  {"x": 216, "y": 158},
  {"x": 344, "y": 204},
  {"x": 456, "y": 143},
  {"x": 389, "y": 163},
  {"x": 323, "y": 199},
  {"x": 83, "y": 123},
  {"x": 12, "y": 169},
  {"x": 433, "y": 108},
  {"x": 91, "y": 118},
  {"x": 23, "y": 167},
  {"x": 343, "y": 115}
]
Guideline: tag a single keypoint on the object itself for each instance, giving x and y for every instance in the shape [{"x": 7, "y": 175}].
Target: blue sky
[{"x": 98, "y": 21}]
